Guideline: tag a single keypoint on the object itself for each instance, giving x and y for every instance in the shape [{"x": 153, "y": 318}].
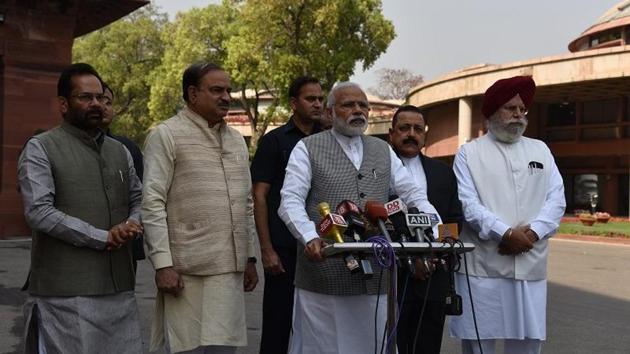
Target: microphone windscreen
[
  {"x": 347, "y": 207},
  {"x": 324, "y": 208},
  {"x": 375, "y": 211}
]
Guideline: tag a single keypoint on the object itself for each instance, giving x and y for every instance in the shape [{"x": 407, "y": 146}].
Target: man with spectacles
[
  {"x": 197, "y": 210},
  {"x": 407, "y": 137},
  {"x": 336, "y": 310},
  {"x": 82, "y": 199},
  {"x": 513, "y": 199}
]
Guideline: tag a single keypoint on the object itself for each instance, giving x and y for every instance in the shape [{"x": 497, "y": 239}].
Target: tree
[
  {"x": 279, "y": 40},
  {"x": 395, "y": 83},
  {"x": 196, "y": 35},
  {"x": 263, "y": 44},
  {"x": 125, "y": 53}
]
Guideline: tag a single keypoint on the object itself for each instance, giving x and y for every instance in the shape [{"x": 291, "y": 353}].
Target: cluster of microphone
[
  {"x": 397, "y": 224},
  {"x": 393, "y": 220}
]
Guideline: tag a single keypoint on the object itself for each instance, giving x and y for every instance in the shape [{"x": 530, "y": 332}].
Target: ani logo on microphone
[{"x": 418, "y": 220}]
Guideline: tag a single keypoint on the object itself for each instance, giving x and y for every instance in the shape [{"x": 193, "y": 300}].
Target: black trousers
[
  {"x": 431, "y": 328},
  {"x": 278, "y": 306}
]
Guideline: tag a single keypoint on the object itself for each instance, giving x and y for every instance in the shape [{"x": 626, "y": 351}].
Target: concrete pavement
[{"x": 588, "y": 301}]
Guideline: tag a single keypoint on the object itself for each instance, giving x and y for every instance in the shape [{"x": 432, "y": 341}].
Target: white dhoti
[
  {"x": 505, "y": 308},
  {"x": 326, "y": 324},
  {"x": 210, "y": 311}
]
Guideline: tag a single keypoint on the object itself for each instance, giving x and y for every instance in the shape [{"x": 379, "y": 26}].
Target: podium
[{"x": 410, "y": 249}]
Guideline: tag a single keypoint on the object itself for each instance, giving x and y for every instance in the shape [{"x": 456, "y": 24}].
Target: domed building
[{"x": 581, "y": 110}]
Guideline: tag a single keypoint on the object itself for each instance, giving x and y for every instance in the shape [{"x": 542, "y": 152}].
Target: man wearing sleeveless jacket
[
  {"x": 82, "y": 200},
  {"x": 513, "y": 199},
  {"x": 334, "y": 310},
  {"x": 198, "y": 210}
]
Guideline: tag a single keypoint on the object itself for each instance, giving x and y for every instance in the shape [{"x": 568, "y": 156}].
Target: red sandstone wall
[{"x": 35, "y": 47}]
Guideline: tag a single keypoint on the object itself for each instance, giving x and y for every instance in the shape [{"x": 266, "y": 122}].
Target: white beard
[
  {"x": 343, "y": 126},
  {"x": 509, "y": 132}
]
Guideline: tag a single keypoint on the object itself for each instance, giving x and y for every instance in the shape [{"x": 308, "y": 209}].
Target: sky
[{"x": 435, "y": 37}]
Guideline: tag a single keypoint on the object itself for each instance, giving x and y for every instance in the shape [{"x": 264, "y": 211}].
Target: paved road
[{"x": 588, "y": 306}]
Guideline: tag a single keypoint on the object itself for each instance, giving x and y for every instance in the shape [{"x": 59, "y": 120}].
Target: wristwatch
[{"x": 252, "y": 260}]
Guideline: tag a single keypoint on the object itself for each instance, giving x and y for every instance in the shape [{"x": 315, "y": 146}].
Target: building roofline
[{"x": 488, "y": 68}]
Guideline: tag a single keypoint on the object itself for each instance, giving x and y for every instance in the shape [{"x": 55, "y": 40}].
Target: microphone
[
  {"x": 356, "y": 229},
  {"x": 377, "y": 214},
  {"x": 332, "y": 227},
  {"x": 396, "y": 210},
  {"x": 395, "y": 205},
  {"x": 352, "y": 214},
  {"x": 417, "y": 222}
]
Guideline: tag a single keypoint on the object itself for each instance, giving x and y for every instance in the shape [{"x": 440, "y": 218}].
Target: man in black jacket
[{"x": 407, "y": 137}]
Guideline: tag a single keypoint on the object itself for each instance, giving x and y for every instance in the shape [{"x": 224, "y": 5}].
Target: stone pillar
[{"x": 464, "y": 121}]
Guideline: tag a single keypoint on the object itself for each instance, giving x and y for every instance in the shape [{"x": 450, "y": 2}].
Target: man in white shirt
[
  {"x": 334, "y": 310},
  {"x": 424, "y": 289},
  {"x": 513, "y": 199}
]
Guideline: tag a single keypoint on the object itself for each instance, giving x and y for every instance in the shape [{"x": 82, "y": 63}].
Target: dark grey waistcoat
[
  {"x": 334, "y": 178},
  {"x": 90, "y": 184}
]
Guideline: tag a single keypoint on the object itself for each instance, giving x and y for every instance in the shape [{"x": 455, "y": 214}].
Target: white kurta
[
  {"x": 505, "y": 308},
  {"x": 326, "y": 323}
]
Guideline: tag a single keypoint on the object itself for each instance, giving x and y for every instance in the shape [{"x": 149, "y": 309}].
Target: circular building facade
[{"x": 581, "y": 110}]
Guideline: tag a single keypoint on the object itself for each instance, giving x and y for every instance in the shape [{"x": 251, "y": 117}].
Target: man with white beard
[
  {"x": 334, "y": 310},
  {"x": 513, "y": 199}
]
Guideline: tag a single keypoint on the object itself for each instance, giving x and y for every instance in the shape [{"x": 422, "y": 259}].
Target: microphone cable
[
  {"x": 416, "y": 337},
  {"x": 400, "y": 307},
  {"x": 378, "y": 297},
  {"x": 385, "y": 258},
  {"x": 452, "y": 242}
]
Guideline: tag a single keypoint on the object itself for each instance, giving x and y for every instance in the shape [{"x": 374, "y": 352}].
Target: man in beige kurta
[{"x": 199, "y": 225}]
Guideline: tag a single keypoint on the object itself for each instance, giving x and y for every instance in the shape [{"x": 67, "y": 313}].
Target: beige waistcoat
[{"x": 209, "y": 206}]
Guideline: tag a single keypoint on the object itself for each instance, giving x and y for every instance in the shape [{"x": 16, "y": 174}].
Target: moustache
[
  {"x": 358, "y": 118},
  {"x": 95, "y": 112},
  {"x": 410, "y": 141},
  {"x": 516, "y": 122}
]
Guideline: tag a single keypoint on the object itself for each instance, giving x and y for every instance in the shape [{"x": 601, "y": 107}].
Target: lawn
[{"x": 612, "y": 229}]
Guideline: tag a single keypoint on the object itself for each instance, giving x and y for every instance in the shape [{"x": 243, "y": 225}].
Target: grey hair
[{"x": 342, "y": 85}]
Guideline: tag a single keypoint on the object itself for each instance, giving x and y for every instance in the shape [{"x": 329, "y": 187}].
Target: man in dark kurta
[{"x": 81, "y": 198}]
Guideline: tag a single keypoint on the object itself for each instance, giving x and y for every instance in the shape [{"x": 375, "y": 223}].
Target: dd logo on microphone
[{"x": 393, "y": 206}]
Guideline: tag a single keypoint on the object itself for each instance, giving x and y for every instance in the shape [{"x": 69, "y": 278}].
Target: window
[
  {"x": 584, "y": 187},
  {"x": 606, "y": 36},
  {"x": 601, "y": 111},
  {"x": 560, "y": 114}
]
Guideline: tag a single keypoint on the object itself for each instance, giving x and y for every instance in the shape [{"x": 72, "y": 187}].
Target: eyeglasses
[
  {"x": 516, "y": 110},
  {"x": 348, "y": 105},
  {"x": 89, "y": 97}
]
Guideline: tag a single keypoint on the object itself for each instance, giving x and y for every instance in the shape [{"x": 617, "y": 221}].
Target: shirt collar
[
  {"x": 347, "y": 140},
  {"x": 92, "y": 141},
  {"x": 201, "y": 121},
  {"x": 291, "y": 126},
  {"x": 410, "y": 161}
]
